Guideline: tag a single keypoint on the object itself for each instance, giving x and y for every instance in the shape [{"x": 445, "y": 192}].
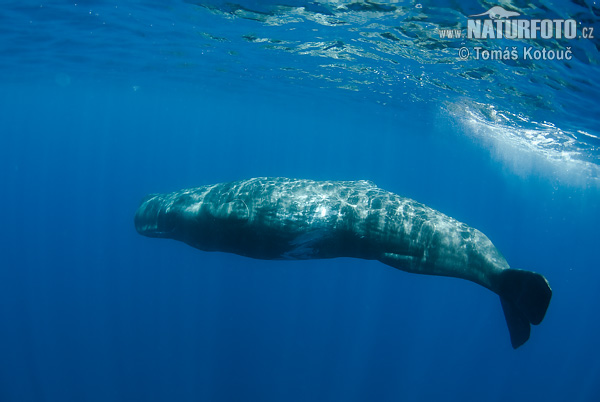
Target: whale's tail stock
[{"x": 525, "y": 297}]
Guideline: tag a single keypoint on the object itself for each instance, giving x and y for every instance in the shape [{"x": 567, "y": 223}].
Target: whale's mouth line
[{"x": 151, "y": 229}]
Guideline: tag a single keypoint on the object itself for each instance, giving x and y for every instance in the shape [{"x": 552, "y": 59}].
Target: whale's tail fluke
[{"x": 525, "y": 297}]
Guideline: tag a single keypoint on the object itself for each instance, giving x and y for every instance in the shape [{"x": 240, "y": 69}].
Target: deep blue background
[{"x": 91, "y": 311}]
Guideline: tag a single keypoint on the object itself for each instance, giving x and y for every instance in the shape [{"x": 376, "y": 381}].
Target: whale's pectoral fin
[
  {"x": 306, "y": 245},
  {"x": 525, "y": 297}
]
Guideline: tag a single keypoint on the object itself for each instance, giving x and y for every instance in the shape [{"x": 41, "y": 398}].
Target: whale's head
[
  {"x": 154, "y": 217},
  {"x": 186, "y": 216}
]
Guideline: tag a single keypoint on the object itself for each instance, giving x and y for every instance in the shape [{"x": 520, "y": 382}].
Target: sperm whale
[{"x": 281, "y": 218}]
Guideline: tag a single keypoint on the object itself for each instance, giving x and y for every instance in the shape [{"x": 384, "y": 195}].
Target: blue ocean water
[{"x": 102, "y": 103}]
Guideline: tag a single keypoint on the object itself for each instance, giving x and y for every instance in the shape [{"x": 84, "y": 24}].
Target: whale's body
[{"x": 280, "y": 218}]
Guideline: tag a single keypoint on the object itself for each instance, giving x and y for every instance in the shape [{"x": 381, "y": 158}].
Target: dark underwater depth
[{"x": 103, "y": 103}]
